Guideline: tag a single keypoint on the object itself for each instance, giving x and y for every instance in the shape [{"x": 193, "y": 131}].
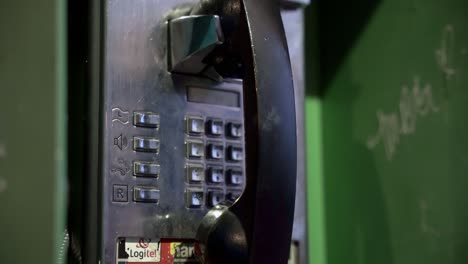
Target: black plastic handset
[{"x": 257, "y": 228}]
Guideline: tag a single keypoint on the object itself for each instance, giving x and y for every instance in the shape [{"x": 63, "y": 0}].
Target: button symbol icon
[
  {"x": 120, "y": 193},
  {"x": 120, "y": 115},
  {"x": 122, "y": 168},
  {"x": 121, "y": 142}
]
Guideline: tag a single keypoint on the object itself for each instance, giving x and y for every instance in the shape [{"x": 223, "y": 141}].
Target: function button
[
  {"x": 120, "y": 193},
  {"x": 195, "y": 125},
  {"x": 195, "y": 149},
  {"x": 215, "y": 174},
  {"x": 214, "y": 198},
  {"x": 145, "y": 169},
  {"x": 235, "y": 177},
  {"x": 146, "y": 144},
  {"x": 195, "y": 173},
  {"x": 194, "y": 198},
  {"x": 235, "y": 153},
  {"x": 146, "y": 119},
  {"x": 215, "y": 151},
  {"x": 234, "y": 130},
  {"x": 145, "y": 194},
  {"x": 215, "y": 127},
  {"x": 233, "y": 196}
]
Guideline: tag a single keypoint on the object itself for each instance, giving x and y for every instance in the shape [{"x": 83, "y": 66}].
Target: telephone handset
[{"x": 198, "y": 138}]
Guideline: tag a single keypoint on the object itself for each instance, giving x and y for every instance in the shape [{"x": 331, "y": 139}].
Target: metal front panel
[{"x": 136, "y": 80}]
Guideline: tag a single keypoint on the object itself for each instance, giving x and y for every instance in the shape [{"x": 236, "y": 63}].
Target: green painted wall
[
  {"x": 388, "y": 131},
  {"x": 32, "y": 130}
]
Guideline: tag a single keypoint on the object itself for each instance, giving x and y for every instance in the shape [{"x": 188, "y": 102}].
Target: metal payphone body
[{"x": 172, "y": 133}]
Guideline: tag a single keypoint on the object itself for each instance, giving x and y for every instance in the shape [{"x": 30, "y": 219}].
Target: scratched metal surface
[
  {"x": 394, "y": 79},
  {"x": 136, "y": 79}
]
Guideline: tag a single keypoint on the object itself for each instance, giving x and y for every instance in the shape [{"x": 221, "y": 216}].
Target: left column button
[
  {"x": 146, "y": 119},
  {"x": 146, "y": 144},
  {"x": 145, "y": 194},
  {"x": 145, "y": 169}
]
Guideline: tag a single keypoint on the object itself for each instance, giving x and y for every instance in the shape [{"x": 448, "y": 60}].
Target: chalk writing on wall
[
  {"x": 416, "y": 101},
  {"x": 445, "y": 54}
]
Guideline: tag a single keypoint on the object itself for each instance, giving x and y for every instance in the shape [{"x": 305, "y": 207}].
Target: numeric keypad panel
[
  {"x": 214, "y": 159},
  {"x": 168, "y": 143}
]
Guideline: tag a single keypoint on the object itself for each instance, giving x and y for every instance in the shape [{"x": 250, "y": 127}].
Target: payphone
[{"x": 193, "y": 156}]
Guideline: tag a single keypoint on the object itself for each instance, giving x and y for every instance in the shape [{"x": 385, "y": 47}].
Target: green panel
[
  {"x": 314, "y": 150},
  {"x": 315, "y": 191},
  {"x": 394, "y": 98},
  {"x": 32, "y": 130}
]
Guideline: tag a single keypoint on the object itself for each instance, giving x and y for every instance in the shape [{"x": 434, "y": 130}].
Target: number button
[
  {"x": 214, "y": 198},
  {"x": 215, "y": 151},
  {"x": 195, "y": 125},
  {"x": 234, "y": 130},
  {"x": 194, "y": 198},
  {"x": 215, "y": 174},
  {"x": 235, "y": 177},
  {"x": 235, "y": 154},
  {"x": 215, "y": 127},
  {"x": 195, "y": 173},
  {"x": 195, "y": 149}
]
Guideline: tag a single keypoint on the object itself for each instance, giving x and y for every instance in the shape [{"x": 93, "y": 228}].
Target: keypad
[
  {"x": 214, "y": 161},
  {"x": 214, "y": 157}
]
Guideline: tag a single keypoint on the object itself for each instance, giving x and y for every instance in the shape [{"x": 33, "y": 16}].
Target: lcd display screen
[{"x": 212, "y": 96}]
